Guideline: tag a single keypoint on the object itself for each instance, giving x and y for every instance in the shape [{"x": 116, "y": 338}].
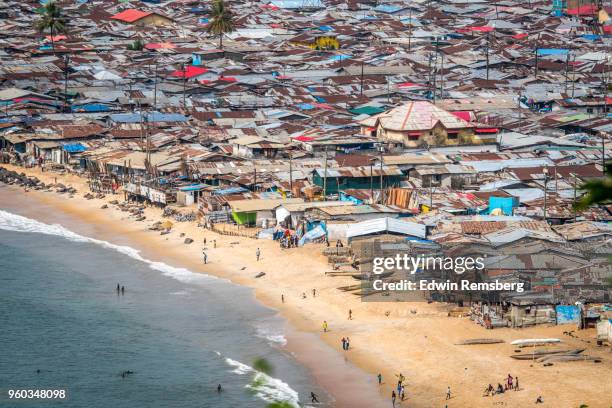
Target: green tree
[
  {"x": 221, "y": 22},
  {"x": 598, "y": 191},
  {"x": 52, "y": 20}
]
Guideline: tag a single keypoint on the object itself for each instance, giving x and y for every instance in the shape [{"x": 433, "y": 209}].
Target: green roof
[{"x": 368, "y": 110}]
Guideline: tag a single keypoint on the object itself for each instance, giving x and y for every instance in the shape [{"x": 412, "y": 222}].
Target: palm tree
[
  {"x": 52, "y": 20},
  {"x": 221, "y": 21}
]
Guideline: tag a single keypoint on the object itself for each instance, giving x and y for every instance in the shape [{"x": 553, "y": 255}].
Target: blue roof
[
  {"x": 325, "y": 28},
  {"x": 231, "y": 190},
  {"x": 305, "y": 106},
  {"x": 552, "y": 51},
  {"x": 592, "y": 37},
  {"x": 194, "y": 187},
  {"x": 74, "y": 148},
  {"x": 339, "y": 57},
  {"x": 149, "y": 117},
  {"x": 387, "y": 8},
  {"x": 297, "y": 4}
]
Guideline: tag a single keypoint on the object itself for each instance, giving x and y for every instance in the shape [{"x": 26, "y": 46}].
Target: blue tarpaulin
[
  {"x": 311, "y": 235},
  {"x": 74, "y": 148},
  {"x": 552, "y": 51},
  {"x": 503, "y": 203},
  {"x": 567, "y": 314},
  {"x": 305, "y": 106}
]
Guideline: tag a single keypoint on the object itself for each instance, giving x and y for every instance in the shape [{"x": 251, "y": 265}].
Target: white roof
[{"x": 386, "y": 225}]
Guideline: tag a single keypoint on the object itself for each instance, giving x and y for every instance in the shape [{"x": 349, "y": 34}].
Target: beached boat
[
  {"x": 534, "y": 342},
  {"x": 541, "y": 353},
  {"x": 470, "y": 342}
]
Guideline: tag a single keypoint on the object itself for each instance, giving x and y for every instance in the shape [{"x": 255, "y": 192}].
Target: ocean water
[{"x": 180, "y": 333}]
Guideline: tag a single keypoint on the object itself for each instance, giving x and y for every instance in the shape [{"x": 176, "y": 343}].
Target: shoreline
[
  {"x": 86, "y": 218},
  {"x": 421, "y": 346}
]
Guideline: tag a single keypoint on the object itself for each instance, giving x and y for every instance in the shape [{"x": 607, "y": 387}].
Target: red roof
[
  {"x": 190, "y": 72},
  {"x": 520, "y": 36},
  {"x": 303, "y": 138},
  {"x": 465, "y": 115},
  {"x": 608, "y": 29},
  {"x": 56, "y": 37},
  {"x": 407, "y": 84},
  {"x": 157, "y": 46},
  {"x": 131, "y": 15},
  {"x": 583, "y": 10},
  {"x": 227, "y": 79},
  {"x": 484, "y": 29},
  {"x": 487, "y": 130}
]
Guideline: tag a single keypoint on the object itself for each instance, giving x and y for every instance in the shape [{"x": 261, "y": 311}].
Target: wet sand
[{"x": 420, "y": 345}]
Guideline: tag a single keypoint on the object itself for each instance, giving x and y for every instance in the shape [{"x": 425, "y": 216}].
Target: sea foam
[
  {"x": 265, "y": 387},
  {"x": 18, "y": 223},
  {"x": 268, "y": 389}
]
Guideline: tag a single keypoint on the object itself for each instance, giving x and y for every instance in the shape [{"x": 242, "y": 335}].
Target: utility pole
[
  {"x": 155, "y": 89},
  {"x": 382, "y": 149},
  {"x": 575, "y": 188},
  {"x": 536, "y": 56},
  {"x": 488, "y": 45},
  {"x": 371, "y": 181},
  {"x": 545, "y": 170},
  {"x": 361, "y": 80},
  {"x": 66, "y": 62},
  {"x": 442, "y": 75},
  {"x": 566, "y": 71},
  {"x": 184, "y": 85},
  {"x": 325, "y": 177},
  {"x": 573, "y": 76},
  {"x": 409, "y": 29},
  {"x": 254, "y": 177},
  {"x": 291, "y": 171}
]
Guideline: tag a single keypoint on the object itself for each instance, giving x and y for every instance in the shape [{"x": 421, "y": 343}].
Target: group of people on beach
[
  {"x": 401, "y": 388},
  {"x": 285, "y": 238},
  {"x": 511, "y": 383}
]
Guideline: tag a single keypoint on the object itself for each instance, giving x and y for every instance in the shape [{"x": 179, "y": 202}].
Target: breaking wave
[
  {"x": 265, "y": 387},
  {"x": 271, "y": 335},
  {"x": 18, "y": 223}
]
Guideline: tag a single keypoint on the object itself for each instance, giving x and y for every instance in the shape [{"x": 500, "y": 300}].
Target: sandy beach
[{"x": 416, "y": 339}]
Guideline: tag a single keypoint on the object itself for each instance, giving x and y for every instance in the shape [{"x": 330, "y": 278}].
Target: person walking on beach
[
  {"x": 282, "y": 298},
  {"x": 393, "y": 397},
  {"x": 350, "y": 314},
  {"x": 516, "y": 385},
  {"x": 448, "y": 393},
  {"x": 402, "y": 393},
  {"x": 379, "y": 378},
  {"x": 314, "y": 293},
  {"x": 347, "y": 343},
  {"x": 510, "y": 382},
  {"x": 258, "y": 254},
  {"x": 214, "y": 243},
  {"x": 204, "y": 257},
  {"x": 324, "y": 326},
  {"x": 313, "y": 397},
  {"x": 343, "y": 343}
]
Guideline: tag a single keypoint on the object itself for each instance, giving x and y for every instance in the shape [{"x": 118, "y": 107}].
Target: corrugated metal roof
[{"x": 386, "y": 224}]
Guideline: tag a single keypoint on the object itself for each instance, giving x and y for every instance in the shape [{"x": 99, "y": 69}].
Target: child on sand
[{"x": 324, "y": 326}]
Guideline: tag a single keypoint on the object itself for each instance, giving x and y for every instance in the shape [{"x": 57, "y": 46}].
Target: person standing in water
[
  {"x": 118, "y": 288},
  {"x": 219, "y": 389},
  {"x": 123, "y": 290}
]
